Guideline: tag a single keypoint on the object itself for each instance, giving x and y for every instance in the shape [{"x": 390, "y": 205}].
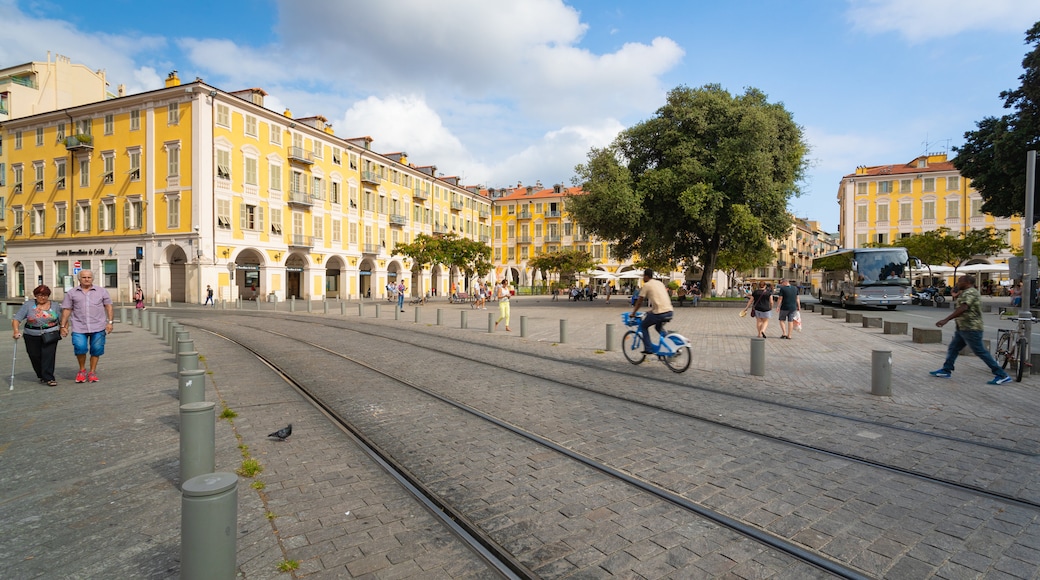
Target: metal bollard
[
  {"x": 209, "y": 525},
  {"x": 343, "y": 308},
  {"x": 223, "y": 304},
  {"x": 292, "y": 304},
  {"x": 361, "y": 309},
  {"x": 563, "y": 331},
  {"x": 758, "y": 357},
  {"x": 169, "y": 302},
  {"x": 171, "y": 337},
  {"x": 881, "y": 373},
  {"x": 238, "y": 303},
  {"x": 310, "y": 306},
  {"x": 122, "y": 315},
  {"x": 187, "y": 361},
  {"x": 191, "y": 386},
  {"x": 180, "y": 335},
  {"x": 464, "y": 323},
  {"x": 491, "y": 322},
  {"x": 325, "y": 306},
  {"x": 198, "y": 433},
  {"x": 417, "y": 316},
  {"x": 610, "y": 338},
  {"x": 377, "y": 310},
  {"x": 440, "y": 317},
  {"x": 523, "y": 327},
  {"x": 148, "y": 317},
  {"x": 185, "y": 344},
  {"x": 397, "y": 313},
  {"x": 258, "y": 301}
]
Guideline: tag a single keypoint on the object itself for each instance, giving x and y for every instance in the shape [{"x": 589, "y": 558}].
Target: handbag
[{"x": 49, "y": 338}]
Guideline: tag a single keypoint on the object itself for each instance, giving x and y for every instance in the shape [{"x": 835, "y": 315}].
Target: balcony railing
[
  {"x": 485, "y": 214},
  {"x": 523, "y": 239},
  {"x": 300, "y": 198},
  {"x": 370, "y": 177},
  {"x": 79, "y": 143},
  {"x": 549, "y": 238},
  {"x": 419, "y": 194},
  {"x": 398, "y": 220},
  {"x": 299, "y": 241},
  {"x": 372, "y": 249},
  {"x": 553, "y": 214},
  {"x": 456, "y": 205},
  {"x": 301, "y": 155},
  {"x": 523, "y": 214}
]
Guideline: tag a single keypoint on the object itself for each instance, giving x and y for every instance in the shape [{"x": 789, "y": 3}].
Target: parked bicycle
[
  {"x": 1013, "y": 344},
  {"x": 672, "y": 349}
]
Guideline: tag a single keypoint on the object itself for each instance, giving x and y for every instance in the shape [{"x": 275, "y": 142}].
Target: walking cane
[{"x": 13, "y": 357}]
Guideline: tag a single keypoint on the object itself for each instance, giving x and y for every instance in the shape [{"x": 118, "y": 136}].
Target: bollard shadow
[
  {"x": 158, "y": 561},
  {"x": 171, "y": 421},
  {"x": 173, "y": 393},
  {"x": 169, "y": 469}
]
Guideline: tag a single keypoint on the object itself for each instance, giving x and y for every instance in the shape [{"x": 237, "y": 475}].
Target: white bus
[{"x": 865, "y": 277}]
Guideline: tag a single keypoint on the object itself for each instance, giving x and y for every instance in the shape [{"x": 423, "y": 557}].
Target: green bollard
[
  {"x": 563, "y": 331},
  {"x": 209, "y": 526},
  {"x": 491, "y": 323},
  {"x": 178, "y": 336},
  {"x": 185, "y": 344},
  {"x": 440, "y": 317},
  {"x": 310, "y": 306},
  {"x": 464, "y": 323},
  {"x": 361, "y": 309},
  {"x": 881, "y": 373},
  {"x": 187, "y": 361},
  {"x": 122, "y": 315},
  {"x": 523, "y": 327},
  {"x": 758, "y": 357},
  {"x": 324, "y": 306},
  {"x": 198, "y": 433},
  {"x": 377, "y": 311},
  {"x": 610, "y": 338},
  {"x": 417, "y": 318},
  {"x": 191, "y": 386},
  {"x": 342, "y": 308},
  {"x": 292, "y": 304}
]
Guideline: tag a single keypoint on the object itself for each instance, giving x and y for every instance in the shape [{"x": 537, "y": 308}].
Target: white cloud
[
  {"x": 27, "y": 38},
  {"x": 920, "y": 20}
]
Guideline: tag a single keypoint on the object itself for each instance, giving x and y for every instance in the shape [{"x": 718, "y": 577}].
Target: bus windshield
[{"x": 882, "y": 268}]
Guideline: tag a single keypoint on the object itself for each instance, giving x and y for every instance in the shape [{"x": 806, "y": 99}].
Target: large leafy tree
[
  {"x": 565, "y": 263},
  {"x": 994, "y": 154},
  {"x": 450, "y": 250},
  {"x": 707, "y": 172},
  {"x": 940, "y": 247}
]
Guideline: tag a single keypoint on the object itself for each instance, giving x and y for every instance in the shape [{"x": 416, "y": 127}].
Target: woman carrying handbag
[{"x": 40, "y": 316}]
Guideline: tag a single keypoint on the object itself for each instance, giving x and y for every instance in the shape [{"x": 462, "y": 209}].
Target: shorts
[
  {"x": 763, "y": 313},
  {"x": 787, "y": 315},
  {"x": 96, "y": 342}
]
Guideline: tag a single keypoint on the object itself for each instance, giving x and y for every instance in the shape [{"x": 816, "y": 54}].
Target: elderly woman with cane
[{"x": 40, "y": 317}]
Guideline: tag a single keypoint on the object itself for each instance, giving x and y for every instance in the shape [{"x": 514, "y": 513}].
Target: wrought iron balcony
[
  {"x": 299, "y": 197},
  {"x": 398, "y": 220},
  {"x": 301, "y": 155},
  {"x": 299, "y": 241},
  {"x": 419, "y": 194},
  {"x": 370, "y": 177},
  {"x": 373, "y": 249},
  {"x": 524, "y": 214},
  {"x": 456, "y": 205}
]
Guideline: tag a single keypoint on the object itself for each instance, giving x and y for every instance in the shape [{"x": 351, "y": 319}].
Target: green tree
[
  {"x": 939, "y": 247},
  {"x": 565, "y": 264},
  {"x": 463, "y": 254},
  {"x": 994, "y": 155},
  {"x": 679, "y": 187}
]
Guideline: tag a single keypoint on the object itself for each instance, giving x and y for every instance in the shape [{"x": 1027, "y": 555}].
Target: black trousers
[{"x": 42, "y": 356}]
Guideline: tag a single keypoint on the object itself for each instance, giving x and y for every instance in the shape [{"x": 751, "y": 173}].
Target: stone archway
[
  {"x": 334, "y": 268},
  {"x": 365, "y": 271},
  {"x": 247, "y": 274},
  {"x": 178, "y": 274},
  {"x": 294, "y": 267}
]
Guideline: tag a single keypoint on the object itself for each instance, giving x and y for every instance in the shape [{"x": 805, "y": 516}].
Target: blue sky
[{"x": 500, "y": 92}]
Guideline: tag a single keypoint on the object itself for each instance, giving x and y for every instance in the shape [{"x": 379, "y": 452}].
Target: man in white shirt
[{"x": 653, "y": 292}]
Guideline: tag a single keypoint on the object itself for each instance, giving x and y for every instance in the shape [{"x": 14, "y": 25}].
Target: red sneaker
[
  {"x": 92, "y": 377},
  {"x": 81, "y": 376}
]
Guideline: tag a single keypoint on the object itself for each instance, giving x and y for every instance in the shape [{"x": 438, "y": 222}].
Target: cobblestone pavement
[{"x": 88, "y": 473}]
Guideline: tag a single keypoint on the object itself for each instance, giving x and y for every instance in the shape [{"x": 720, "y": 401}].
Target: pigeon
[{"x": 282, "y": 434}]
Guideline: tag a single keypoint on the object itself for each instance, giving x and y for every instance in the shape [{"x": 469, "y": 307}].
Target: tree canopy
[
  {"x": 565, "y": 263},
  {"x": 450, "y": 250},
  {"x": 708, "y": 171},
  {"x": 994, "y": 154},
  {"x": 938, "y": 247}
]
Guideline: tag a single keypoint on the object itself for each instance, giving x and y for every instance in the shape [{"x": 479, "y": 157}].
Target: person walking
[
  {"x": 139, "y": 298},
  {"x": 400, "y": 295},
  {"x": 89, "y": 309},
  {"x": 503, "y": 303},
  {"x": 42, "y": 332},
  {"x": 209, "y": 296},
  {"x": 969, "y": 332},
  {"x": 761, "y": 305},
  {"x": 787, "y": 307}
]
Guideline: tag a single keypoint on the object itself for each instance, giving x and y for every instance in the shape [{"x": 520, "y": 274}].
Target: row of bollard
[
  {"x": 880, "y": 367},
  {"x": 209, "y": 499}
]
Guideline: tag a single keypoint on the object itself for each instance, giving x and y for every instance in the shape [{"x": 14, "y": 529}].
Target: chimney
[{"x": 172, "y": 80}]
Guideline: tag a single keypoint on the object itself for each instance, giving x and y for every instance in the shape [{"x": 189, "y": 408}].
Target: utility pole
[{"x": 1027, "y": 246}]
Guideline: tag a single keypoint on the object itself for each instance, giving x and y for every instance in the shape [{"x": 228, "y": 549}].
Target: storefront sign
[{"x": 81, "y": 252}]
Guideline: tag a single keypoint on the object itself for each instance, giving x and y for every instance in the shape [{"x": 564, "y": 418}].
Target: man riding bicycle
[{"x": 654, "y": 292}]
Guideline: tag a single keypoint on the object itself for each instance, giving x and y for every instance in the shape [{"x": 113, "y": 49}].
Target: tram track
[
  {"x": 522, "y": 369},
  {"x": 472, "y": 357},
  {"x": 494, "y": 554}
]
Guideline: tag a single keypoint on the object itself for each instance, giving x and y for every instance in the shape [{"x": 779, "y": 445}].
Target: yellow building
[
  {"x": 880, "y": 204},
  {"x": 190, "y": 186}
]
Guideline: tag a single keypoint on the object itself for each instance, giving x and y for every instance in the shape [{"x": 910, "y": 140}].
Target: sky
[{"x": 500, "y": 92}]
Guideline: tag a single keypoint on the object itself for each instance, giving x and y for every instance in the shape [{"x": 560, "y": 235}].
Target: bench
[
  {"x": 891, "y": 327},
  {"x": 927, "y": 335},
  {"x": 460, "y": 298}
]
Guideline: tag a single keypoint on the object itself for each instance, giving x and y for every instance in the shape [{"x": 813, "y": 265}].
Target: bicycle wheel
[
  {"x": 632, "y": 346},
  {"x": 1022, "y": 354},
  {"x": 1004, "y": 354},
  {"x": 680, "y": 360}
]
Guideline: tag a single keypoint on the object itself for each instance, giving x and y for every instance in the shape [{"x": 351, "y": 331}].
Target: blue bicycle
[{"x": 671, "y": 348}]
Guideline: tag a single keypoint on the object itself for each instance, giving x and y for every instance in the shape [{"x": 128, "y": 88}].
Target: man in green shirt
[{"x": 969, "y": 332}]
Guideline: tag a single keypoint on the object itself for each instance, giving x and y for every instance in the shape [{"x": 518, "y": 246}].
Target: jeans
[
  {"x": 400, "y": 301},
  {"x": 655, "y": 320},
  {"x": 973, "y": 339}
]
